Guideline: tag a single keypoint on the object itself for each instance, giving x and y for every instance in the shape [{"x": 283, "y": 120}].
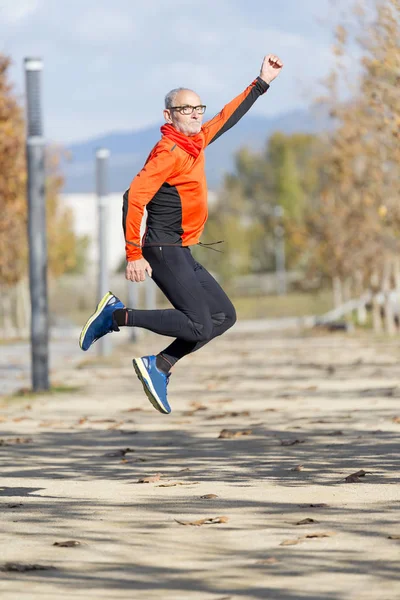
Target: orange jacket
[{"x": 172, "y": 185}]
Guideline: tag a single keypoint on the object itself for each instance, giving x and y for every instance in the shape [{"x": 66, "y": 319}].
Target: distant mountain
[{"x": 129, "y": 150}]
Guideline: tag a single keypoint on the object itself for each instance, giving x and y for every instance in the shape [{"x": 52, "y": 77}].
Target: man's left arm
[{"x": 234, "y": 110}]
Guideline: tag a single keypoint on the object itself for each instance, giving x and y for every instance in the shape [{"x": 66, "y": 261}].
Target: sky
[{"x": 108, "y": 64}]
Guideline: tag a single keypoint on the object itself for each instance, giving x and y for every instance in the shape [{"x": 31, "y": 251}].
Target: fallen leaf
[
  {"x": 320, "y": 535},
  {"x": 354, "y": 477},
  {"x": 21, "y": 568},
  {"x": 82, "y": 420},
  {"x": 267, "y": 561},
  {"x": 174, "y": 483},
  {"x": 215, "y": 417},
  {"x": 119, "y": 452},
  {"x": 208, "y": 496},
  {"x": 208, "y": 521},
  {"x": 291, "y": 442},
  {"x": 336, "y": 433},
  {"x": 383, "y": 391},
  {"x": 198, "y": 406},
  {"x": 306, "y": 521},
  {"x": 319, "y": 505},
  {"x": 185, "y": 470},
  {"x": 133, "y": 410},
  {"x": 150, "y": 479},
  {"x": 244, "y": 413},
  {"x": 291, "y": 542},
  {"x": 116, "y": 425},
  {"x": 15, "y": 441},
  {"x": 67, "y": 544},
  {"x": 396, "y": 419},
  {"x": 394, "y": 537},
  {"x": 298, "y": 468},
  {"x": 229, "y": 434},
  {"x": 17, "y": 505}
]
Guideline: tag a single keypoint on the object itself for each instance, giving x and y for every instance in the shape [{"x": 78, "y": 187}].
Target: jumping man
[{"x": 172, "y": 186}]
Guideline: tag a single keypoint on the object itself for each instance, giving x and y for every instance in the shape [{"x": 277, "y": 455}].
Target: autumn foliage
[{"x": 65, "y": 249}]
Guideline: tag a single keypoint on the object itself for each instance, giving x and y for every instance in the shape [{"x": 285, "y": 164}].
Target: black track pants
[{"x": 202, "y": 310}]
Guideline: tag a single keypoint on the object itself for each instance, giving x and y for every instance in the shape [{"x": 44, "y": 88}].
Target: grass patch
[
  {"x": 290, "y": 305},
  {"x": 28, "y": 393}
]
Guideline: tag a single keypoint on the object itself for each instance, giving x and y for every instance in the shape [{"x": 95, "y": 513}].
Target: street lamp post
[
  {"x": 102, "y": 156},
  {"x": 35, "y": 154}
]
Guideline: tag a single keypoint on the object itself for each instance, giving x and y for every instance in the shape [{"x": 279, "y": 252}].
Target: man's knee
[
  {"x": 230, "y": 317},
  {"x": 204, "y": 330}
]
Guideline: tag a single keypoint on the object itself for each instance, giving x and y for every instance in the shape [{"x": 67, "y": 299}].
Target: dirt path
[{"x": 307, "y": 411}]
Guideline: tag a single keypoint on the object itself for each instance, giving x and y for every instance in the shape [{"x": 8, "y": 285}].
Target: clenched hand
[
  {"x": 136, "y": 270},
  {"x": 271, "y": 67}
]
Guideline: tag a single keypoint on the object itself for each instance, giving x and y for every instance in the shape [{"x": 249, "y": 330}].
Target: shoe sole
[
  {"x": 148, "y": 387},
  {"x": 94, "y": 316}
]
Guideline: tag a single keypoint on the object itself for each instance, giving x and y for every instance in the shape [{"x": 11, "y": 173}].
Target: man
[{"x": 173, "y": 187}]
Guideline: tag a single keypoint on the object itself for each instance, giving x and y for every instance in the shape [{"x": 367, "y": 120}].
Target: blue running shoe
[
  {"x": 154, "y": 382},
  {"x": 101, "y": 321}
]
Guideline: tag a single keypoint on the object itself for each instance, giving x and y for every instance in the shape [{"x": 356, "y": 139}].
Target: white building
[{"x": 84, "y": 209}]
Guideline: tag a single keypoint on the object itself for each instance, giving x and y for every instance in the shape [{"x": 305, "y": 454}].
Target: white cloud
[
  {"x": 108, "y": 65},
  {"x": 104, "y": 26},
  {"x": 12, "y": 11}
]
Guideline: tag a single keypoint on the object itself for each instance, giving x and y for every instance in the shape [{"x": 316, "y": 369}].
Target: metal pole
[
  {"x": 280, "y": 258},
  {"x": 102, "y": 155},
  {"x": 35, "y": 154}
]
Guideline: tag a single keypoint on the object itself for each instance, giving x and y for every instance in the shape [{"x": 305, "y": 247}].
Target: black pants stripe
[{"x": 202, "y": 310}]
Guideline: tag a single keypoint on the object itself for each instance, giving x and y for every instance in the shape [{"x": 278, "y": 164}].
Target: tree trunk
[
  {"x": 376, "y": 315},
  {"x": 390, "y": 325},
  {"x": 337, "y": 292}
]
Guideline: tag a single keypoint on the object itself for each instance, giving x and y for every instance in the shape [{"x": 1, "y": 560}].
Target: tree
[
  {"x": 65, "y": 248},
  {"x": 283, "y": 175},
  {"x": 13, "y": 246},
  {"x": 355, "y": 229}
]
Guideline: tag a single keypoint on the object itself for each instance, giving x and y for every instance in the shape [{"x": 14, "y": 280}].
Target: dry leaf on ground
[
  {"x": 396, "y": 419},
  {"x": 208, "y": 521},
  {"x": 119, "y": 452},
  {"x": 208, "y": 496},
  {"x": 67, "y": 544},
  {"x": 355, "y": 477},
  {"x": 291, "y": 442},
  {"x": 15, "y": 441},
  {"x": 22, "y": 568},
  {"x": 291, "y": 542},
  {"x": 306, "y": 521},
  {"x": 318, "y": 505},
  {"x": 150, "y": 478},
  {"x": 229, "y": 434},
  {"x": 394, "y": 537},
  {"x": 320, "y": 534},
  {"x": 298, "y": 468},
  {"x": 17, "y": 505},
  {"x": 174, "y": 483}
]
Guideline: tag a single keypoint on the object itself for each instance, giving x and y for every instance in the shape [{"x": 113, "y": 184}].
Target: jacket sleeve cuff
[{"x": 261, "y": 85}]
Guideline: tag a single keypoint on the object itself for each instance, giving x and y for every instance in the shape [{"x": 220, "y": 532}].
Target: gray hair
[{"x": 170, "y": 97}]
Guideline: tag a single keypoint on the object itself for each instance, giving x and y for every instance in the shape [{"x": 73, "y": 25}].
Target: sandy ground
[{"x": 308, "y": 410}]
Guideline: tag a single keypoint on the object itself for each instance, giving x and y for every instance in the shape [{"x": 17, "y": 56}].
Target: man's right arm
[{"x": 144, "y": 186}]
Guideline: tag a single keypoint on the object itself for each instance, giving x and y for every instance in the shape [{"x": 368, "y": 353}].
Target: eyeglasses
[{"x": 188, "y": 110}]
